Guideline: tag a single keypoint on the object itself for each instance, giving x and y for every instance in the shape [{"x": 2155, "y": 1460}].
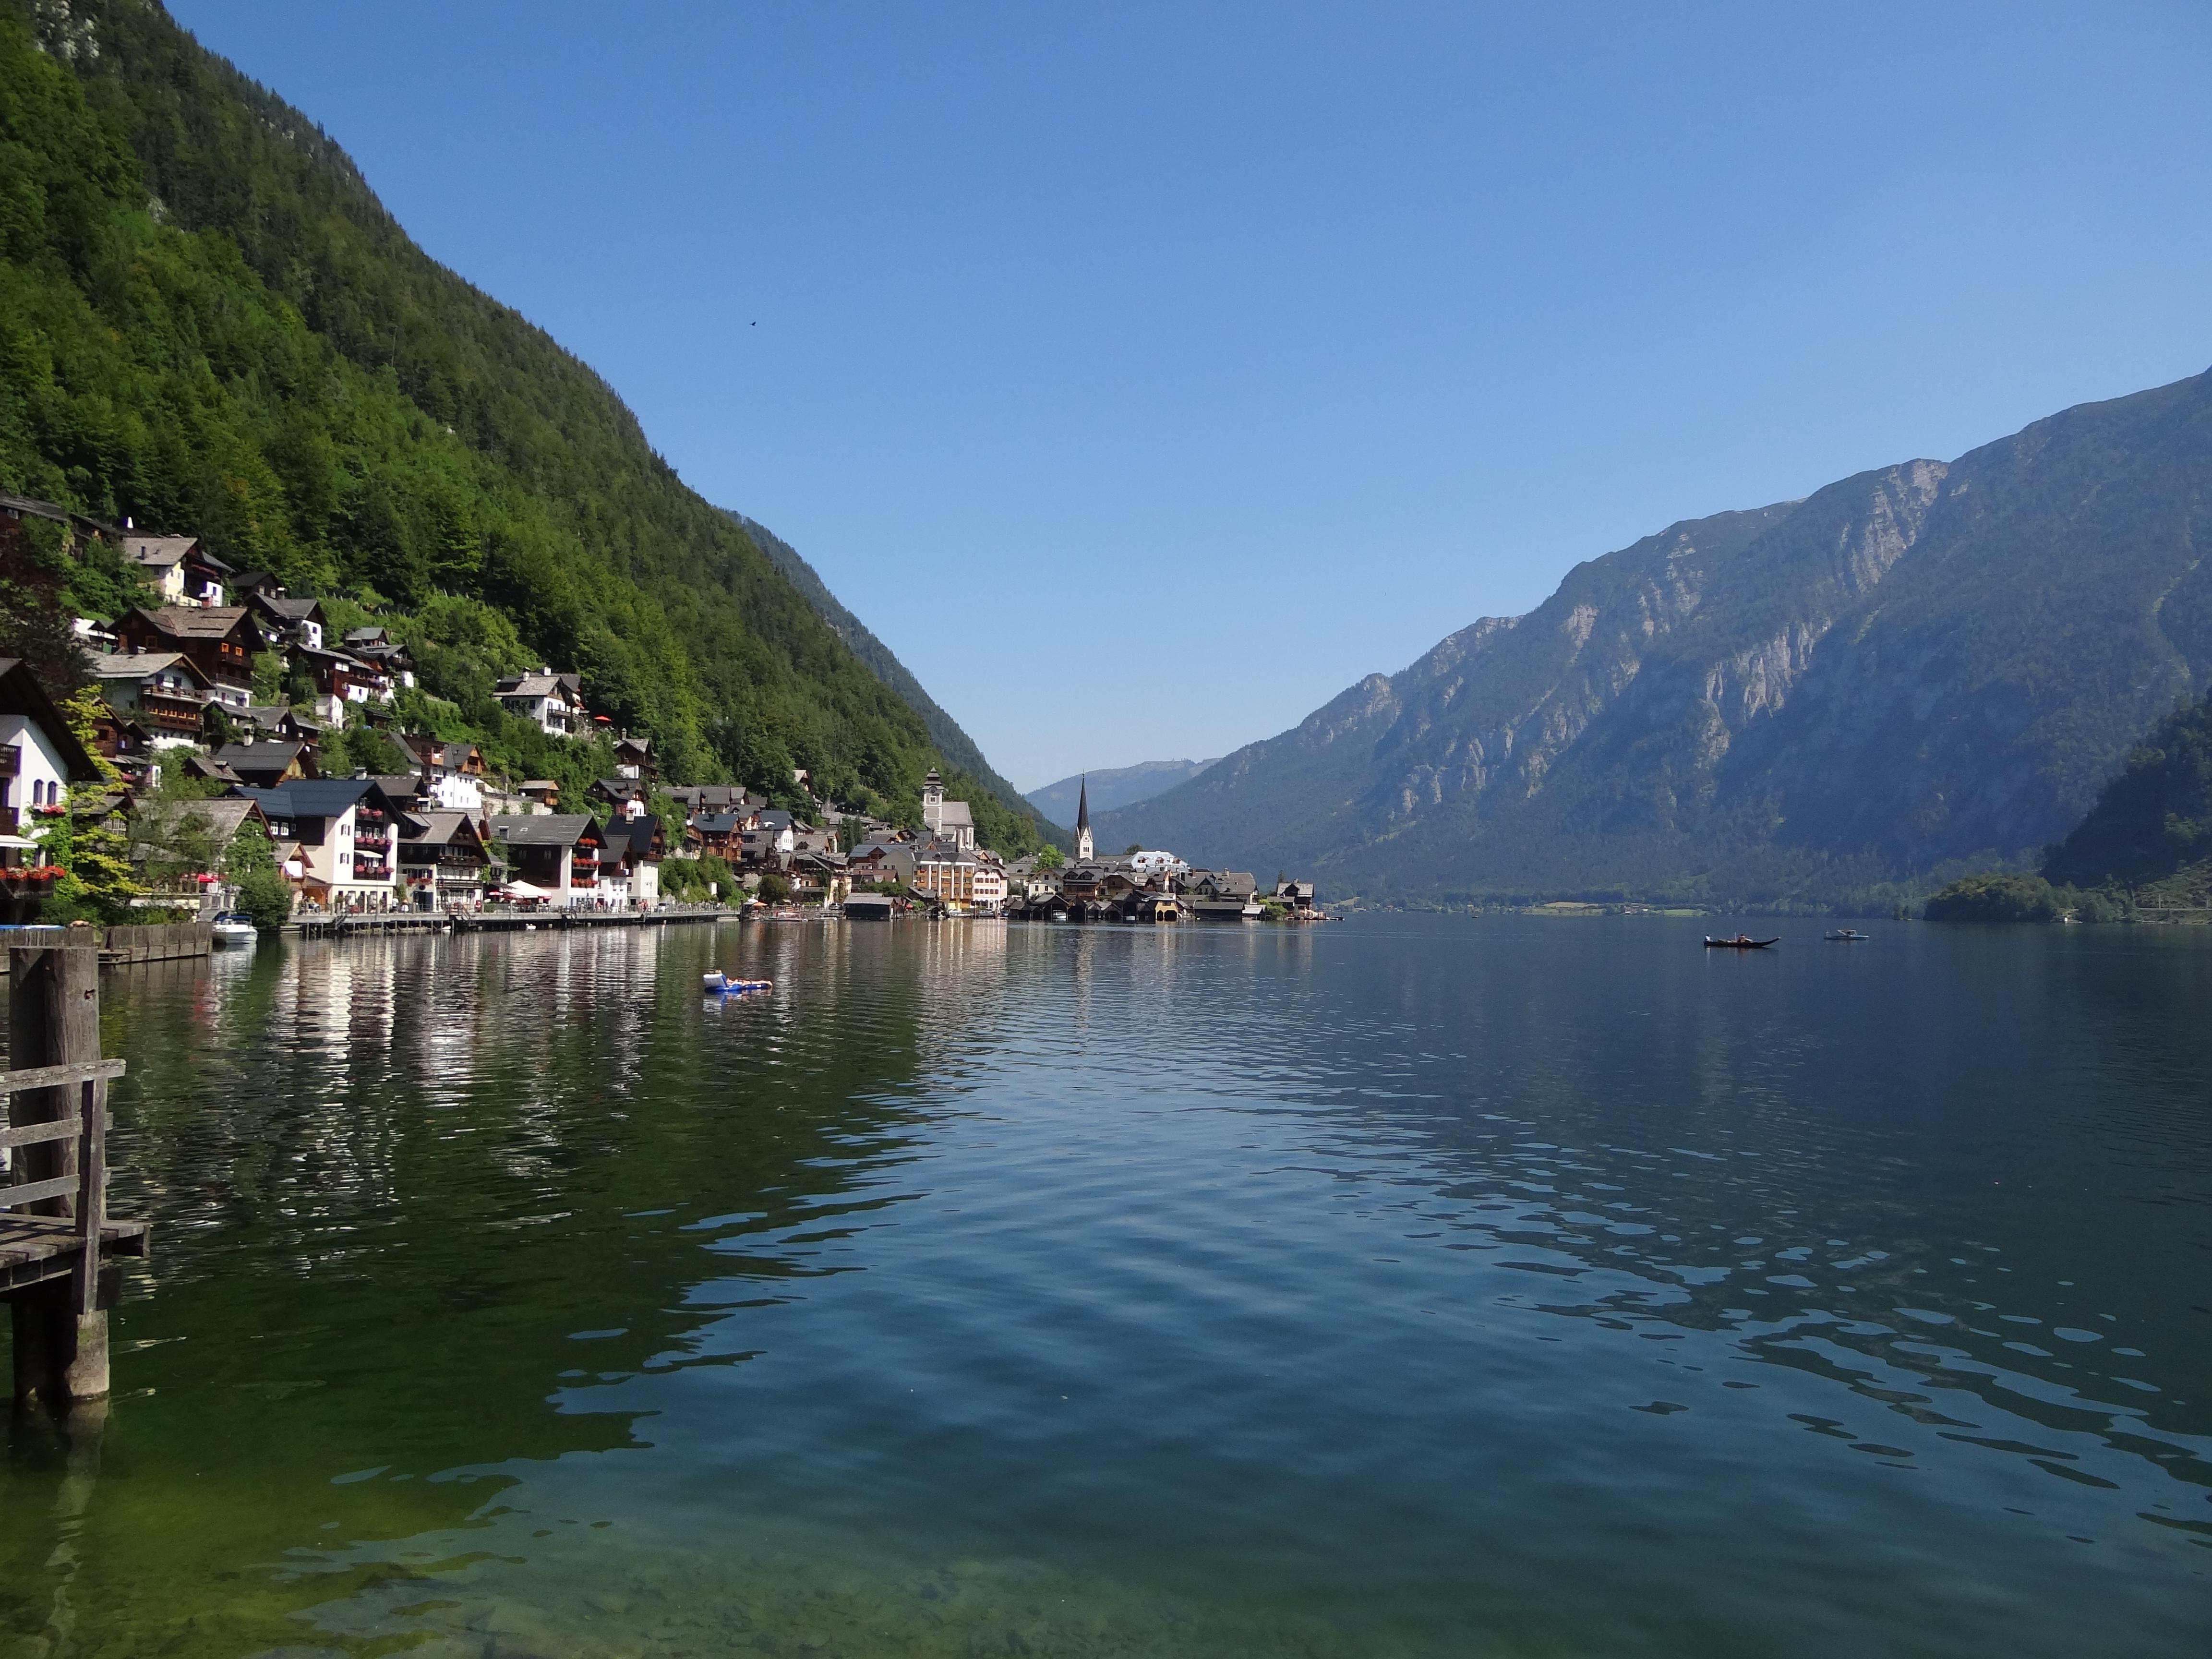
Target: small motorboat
[
  {"x": 234, "y": 928},
  {"x": 1846, "y": 935},
  {"x": 1740, "y": 942},
  {"x": 719, "y": 984}
]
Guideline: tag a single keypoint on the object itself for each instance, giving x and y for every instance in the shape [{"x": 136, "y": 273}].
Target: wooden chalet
[
  {"x": 219, "y": 640},
  {"x": 162, "y": 690},
  {"x": 444, "y": 863}
]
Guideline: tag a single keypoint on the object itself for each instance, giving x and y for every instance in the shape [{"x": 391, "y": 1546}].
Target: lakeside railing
[{"x": 55, "y": 1231}]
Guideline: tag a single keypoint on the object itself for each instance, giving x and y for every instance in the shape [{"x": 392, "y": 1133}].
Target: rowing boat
[{"x": 1740, "y": 942}]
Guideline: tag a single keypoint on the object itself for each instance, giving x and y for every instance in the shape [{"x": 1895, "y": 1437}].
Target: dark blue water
[{"x": 1510, "y": 1286}]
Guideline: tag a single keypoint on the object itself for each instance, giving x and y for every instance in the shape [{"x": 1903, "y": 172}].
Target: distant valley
[
  {"x": 1119, "y": 786},
  {"x": 1832, "y": 702}
]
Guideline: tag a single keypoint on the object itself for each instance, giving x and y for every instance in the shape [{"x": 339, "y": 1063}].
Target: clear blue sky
[{"x": 1359, "y": 321}]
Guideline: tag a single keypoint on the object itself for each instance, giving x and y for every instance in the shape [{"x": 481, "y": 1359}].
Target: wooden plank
[
  {"x": 35, "y": 1192},
  {"x": 92, "y": 1200},
  {"x": 31, "y": 1133},
  {"x": 59, "y": 1076}
]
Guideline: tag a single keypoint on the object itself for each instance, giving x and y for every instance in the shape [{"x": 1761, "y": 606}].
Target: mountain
[
  {"x": 1824, "y": 702},
  {"x": 1123, "y": 785},
  {"x": 2150, "y": 830},
  {"x": 210, "y": 324},
  {"x": 958, "y": 748}
]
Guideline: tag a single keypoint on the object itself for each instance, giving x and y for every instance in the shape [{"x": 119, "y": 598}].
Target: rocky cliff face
[{"x": 1915, "y": 666}]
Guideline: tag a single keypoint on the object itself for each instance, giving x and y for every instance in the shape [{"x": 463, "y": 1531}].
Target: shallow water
[{"x": 1408, "y": 1286}]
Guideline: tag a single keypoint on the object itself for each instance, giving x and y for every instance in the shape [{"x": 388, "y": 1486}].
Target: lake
[{"x": 1410, "y": 1285}]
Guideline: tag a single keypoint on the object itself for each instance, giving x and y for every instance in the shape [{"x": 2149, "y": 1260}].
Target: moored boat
[{"x": 233, "y": 929}]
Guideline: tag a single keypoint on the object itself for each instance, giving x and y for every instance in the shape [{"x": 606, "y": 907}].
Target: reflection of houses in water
[{"x": 962, "y": 986}]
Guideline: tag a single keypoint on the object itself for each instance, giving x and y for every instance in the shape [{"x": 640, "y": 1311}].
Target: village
[{"x": 443, "y": 835}]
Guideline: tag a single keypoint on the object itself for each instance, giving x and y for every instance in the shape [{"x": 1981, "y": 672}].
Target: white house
[
  {"x": 180, "y": 569},
  {"x": 39, "y": 758},
  {"x": 554, "y": 701},
  {"x": 345, "y": 829}
]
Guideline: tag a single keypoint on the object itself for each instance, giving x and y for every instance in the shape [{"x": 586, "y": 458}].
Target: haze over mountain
[
  {"x": 1820, "y": 701},
  {"x": 1113, "y": 786}
]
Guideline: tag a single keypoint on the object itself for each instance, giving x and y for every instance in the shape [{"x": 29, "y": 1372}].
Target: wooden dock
[
  {"x": 500, "y": 921},
  {"x": 173, "y": 941},
  {"x": 57, "y": 1240}
]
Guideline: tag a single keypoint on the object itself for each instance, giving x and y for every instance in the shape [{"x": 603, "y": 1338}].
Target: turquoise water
[{"x": 1406, "y": 1286}]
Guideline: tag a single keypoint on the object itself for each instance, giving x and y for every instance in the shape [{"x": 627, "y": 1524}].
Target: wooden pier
[
  {"x": 57, "y": 1240},
  {"x": 172, "y": 941},
  {"x": 500, "y": 921}
]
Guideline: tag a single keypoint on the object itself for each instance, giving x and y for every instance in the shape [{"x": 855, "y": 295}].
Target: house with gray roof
[
  {"x": 554, "y": 701},
  {"x": 551, "y": 856}
]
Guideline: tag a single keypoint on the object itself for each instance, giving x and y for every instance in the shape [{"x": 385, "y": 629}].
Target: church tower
[
  {"x": 1082, "y": 820},
  {"x": 933, "y": 802}
]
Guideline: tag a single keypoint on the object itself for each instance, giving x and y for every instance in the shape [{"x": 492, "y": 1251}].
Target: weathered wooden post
[{"x": 61, "y": 1322}]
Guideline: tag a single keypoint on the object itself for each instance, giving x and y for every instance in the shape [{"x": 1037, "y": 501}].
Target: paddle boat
[
  {"x": 719, "y": 984},
  {"x": 1740, "y": 942}
]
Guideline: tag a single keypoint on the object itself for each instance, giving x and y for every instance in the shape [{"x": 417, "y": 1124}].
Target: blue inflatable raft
[{"x": 719, "y": 984}]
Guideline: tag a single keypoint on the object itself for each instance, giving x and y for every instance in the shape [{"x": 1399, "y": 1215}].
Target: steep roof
[
  {"x": 142, "y": 664},
  {"x": 634, "y": 834},
  {"x": 314, "y": 798},
  {"x": 21, "y": 694},
  {"x": 542, "y": 829},
  {"x": 224, "y": 816},
  {"x": 203, "y": 621},
  {"x": 536, "y": 685},
  {"x": 159, "y": 552},
  {"x": 440, "y": 829},
  {"x": 270, "y": 754}
]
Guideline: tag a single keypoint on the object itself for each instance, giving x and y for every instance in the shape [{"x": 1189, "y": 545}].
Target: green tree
[
  {"x": 1050, "y": 858},
  {"x": 269, "y": 677},
  {"x": 35, "y": 609},
  {"x": 89, "y": 839},
  {"x": 774, "y": 888},
  {"x": 362, "y": 748},
  {"x": 263, "y": 894},
  {"x": 1995, "y": 898},
  {"x": 171, "y": 842}
]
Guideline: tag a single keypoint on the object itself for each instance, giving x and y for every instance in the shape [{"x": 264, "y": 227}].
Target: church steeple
[{"x": 1083, "y": 819}]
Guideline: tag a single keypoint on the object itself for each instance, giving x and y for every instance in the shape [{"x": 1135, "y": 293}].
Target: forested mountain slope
[
  {"x": 1817, "y": 703},
  {"x": 208, "y": 323},
  {"x": 2150, "y": 830},
  {"x": 956, "y": 746}
]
